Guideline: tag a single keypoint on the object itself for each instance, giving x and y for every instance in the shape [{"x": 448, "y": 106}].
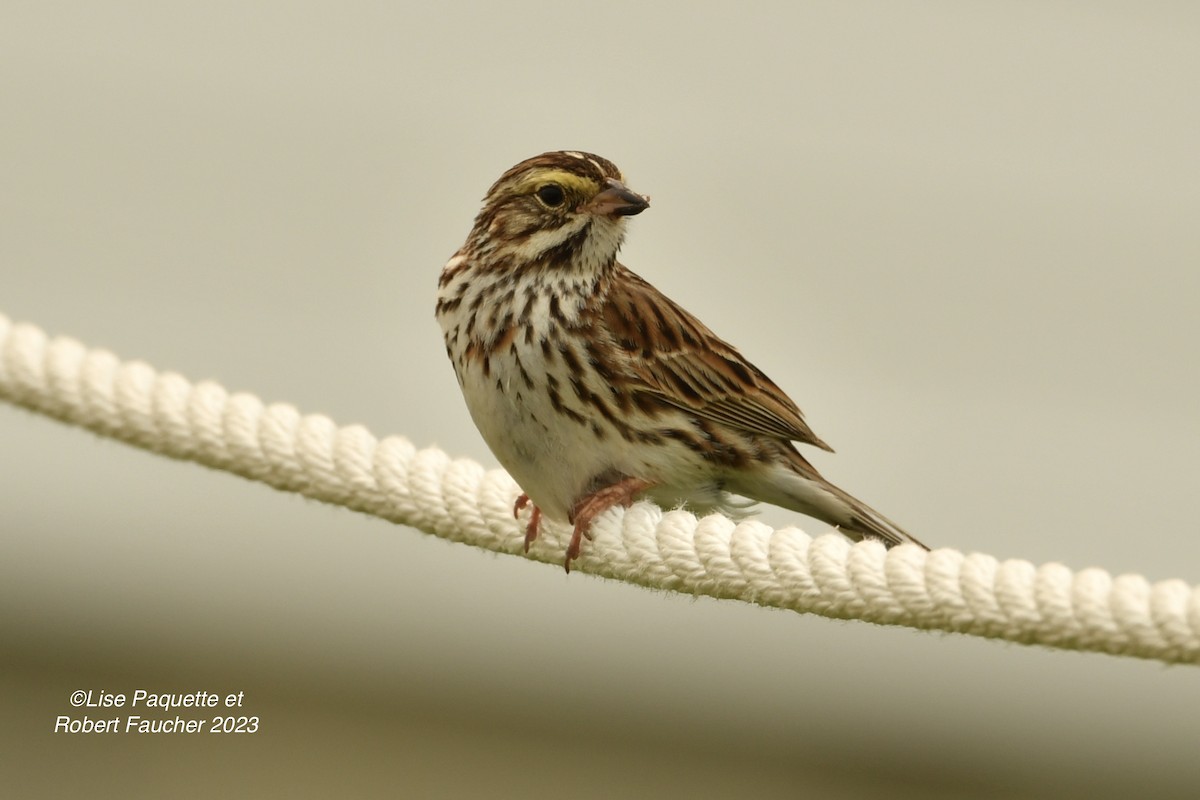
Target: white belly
[
  {"x": 557, "y": 460},
  {"x": 554, "y": 458}
]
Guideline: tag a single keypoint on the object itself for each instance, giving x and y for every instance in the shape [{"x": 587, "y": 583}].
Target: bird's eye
[{"x": 551, "y": 195}]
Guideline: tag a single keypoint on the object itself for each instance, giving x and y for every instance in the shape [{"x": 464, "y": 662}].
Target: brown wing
[{"x": 680, "y": 361}]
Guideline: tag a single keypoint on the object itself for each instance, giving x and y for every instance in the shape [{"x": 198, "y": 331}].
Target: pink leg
[
  {"x": 590, "y": 506},
  {"x": 535, "y": 519}
]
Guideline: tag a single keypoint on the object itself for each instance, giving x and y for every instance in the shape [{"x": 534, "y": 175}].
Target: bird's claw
[
  {"x": 535, "y": 519},
  {"x": 588, "y": 507}
]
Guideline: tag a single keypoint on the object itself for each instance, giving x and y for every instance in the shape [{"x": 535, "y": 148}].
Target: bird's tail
[
  {"x": 799, "y": 487},
  {"x": 864, "y": 521}
]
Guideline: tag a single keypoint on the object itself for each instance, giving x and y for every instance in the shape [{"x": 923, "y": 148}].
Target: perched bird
[{"x": 592, "y": 388}]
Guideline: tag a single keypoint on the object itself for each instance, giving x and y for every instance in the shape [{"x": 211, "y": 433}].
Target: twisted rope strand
[{"x": 457, "y": 499}]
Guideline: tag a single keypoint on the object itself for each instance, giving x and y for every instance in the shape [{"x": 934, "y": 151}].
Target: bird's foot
[
  {"x": 535, "y": 519},
  {"x": 590, "y": 506}
]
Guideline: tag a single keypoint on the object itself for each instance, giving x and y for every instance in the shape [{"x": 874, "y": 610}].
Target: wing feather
[{"x": 676, "y": 358}]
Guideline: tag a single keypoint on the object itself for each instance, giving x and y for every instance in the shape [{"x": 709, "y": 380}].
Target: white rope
[{"x": 458, "y": 500}]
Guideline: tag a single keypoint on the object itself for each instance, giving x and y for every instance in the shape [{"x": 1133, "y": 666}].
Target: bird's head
[{"x": 559, "y": 210}]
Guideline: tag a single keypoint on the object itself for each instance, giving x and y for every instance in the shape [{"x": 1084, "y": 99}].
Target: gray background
[{"x": 962, "y": 235}]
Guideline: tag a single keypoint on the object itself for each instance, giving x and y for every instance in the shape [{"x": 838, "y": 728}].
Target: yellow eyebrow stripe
[{"x": 572, "y": 183}]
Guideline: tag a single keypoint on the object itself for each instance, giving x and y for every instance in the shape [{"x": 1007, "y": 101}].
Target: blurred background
[{"x": 962, "y": 235}]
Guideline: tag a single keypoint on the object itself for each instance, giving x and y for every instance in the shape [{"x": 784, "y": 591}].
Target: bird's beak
[{"x": 616, "y": 201}]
